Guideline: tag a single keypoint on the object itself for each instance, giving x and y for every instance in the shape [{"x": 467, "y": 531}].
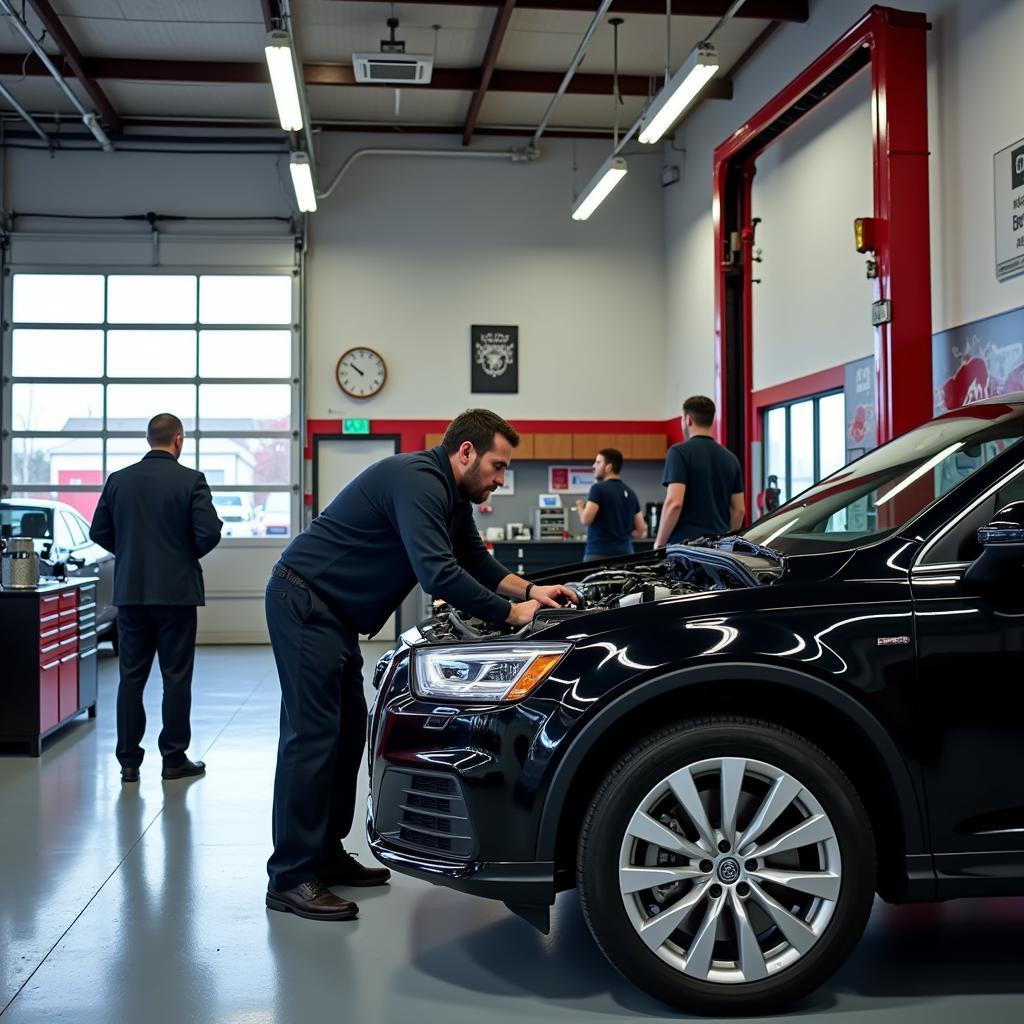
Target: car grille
[{"x": 425, "y": 812}]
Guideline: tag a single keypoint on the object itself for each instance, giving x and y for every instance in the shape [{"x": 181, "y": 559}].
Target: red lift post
[{"x": 892, "y": 43}]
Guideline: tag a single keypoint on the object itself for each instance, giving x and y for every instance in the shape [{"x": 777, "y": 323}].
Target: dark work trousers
[
  {"x": 323, "y": 732},
  {"x": 169, "y": 632}
]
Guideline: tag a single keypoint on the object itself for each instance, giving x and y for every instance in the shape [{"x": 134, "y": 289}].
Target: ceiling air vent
[{"x": 392, "y": 68}]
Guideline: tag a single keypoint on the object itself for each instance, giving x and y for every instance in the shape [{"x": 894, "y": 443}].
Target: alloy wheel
[{"x": 729, "y": 870}]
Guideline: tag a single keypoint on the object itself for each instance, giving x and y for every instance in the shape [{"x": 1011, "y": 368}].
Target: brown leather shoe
[
  {"x": 313, "y": 900},
  {"x": 344, "y": 869}
]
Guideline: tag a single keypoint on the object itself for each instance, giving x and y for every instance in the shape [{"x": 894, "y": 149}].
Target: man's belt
[{"x": 285, "y": 573}]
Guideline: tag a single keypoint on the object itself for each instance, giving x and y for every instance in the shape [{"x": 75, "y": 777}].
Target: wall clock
[{"x": 361, "y": 372}]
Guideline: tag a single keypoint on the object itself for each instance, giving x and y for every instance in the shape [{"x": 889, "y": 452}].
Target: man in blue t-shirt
[
  {"x": 611, "y": 512},
  {"x": 704, "y": 481}
]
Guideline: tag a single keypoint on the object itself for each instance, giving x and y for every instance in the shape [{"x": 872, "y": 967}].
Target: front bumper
[
  {"x": 516, "y": 882},
  {"x": 456, "y": 794}
]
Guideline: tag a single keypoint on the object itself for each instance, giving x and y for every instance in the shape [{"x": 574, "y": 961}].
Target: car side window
[
  {"x": 61, "y": 533},
  {"x": 960, "y": 544},
  {"x": 78, "y": 534}
]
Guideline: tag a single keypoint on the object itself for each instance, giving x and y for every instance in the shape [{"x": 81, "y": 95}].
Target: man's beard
[{"x": 472, "y": 485}]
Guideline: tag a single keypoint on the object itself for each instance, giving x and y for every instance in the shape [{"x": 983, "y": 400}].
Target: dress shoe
[
  {"x": 313, "y": 900},
  {"x": 187, "y": 770},
  {"x": 130, "y": 774},
  {"x": 344, "y": 869}
]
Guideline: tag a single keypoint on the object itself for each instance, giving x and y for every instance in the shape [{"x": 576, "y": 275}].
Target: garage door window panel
[
  {"x": 42, "y": 461},
  {"x": 246, "y": 460},
  {"x": 151, "y": 299},
  {"x": 37, "y": 407},
  {"x": 249, "y": 299},
  {"x": 48, "y": 352},
  {"x": 220, "y": 404},
  {"x": 58, "y": 299},
  {"x": 168, "y": 353},
  {"x": 245, "y": 354},
  {"x": 141, "y": 401}
]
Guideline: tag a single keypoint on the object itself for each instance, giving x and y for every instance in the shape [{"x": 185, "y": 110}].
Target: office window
[
  {"x": 93, "y": 356},
  {"x": 804, "y": 441}
]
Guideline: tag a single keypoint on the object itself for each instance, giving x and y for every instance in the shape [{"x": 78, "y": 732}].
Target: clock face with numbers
[{"x": 361, "y": 372}]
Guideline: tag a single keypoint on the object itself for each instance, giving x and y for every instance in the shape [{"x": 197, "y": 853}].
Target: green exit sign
[{"x": 355, "y": 426}]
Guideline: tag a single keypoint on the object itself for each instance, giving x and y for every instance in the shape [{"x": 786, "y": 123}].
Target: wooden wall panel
[
  {"x": 649, "y": 446},
  {"x": 552, "y": 446}
]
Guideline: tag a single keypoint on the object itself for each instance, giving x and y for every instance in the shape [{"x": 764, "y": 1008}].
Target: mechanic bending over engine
[{"x": 406, "y": 518}]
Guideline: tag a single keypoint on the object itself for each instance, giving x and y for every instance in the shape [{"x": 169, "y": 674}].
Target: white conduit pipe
[{"x": 516, "y": 155}]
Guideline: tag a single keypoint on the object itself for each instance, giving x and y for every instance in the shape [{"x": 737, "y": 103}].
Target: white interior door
[{"x": 338, "y": 461}]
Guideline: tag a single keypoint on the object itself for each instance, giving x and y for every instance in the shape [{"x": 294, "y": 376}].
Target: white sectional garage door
[{"x": 102, "y": 332}]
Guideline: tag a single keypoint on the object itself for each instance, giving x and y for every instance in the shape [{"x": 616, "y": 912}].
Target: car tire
[{"x": 742, "y": 934}]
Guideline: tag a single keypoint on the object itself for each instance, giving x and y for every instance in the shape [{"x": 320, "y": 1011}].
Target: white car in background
[
  {"x": 275, "y": 515},
  {"x": 236, "y": 513}
]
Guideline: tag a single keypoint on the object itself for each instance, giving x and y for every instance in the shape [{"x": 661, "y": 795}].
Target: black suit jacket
[{"x": 157, "y": 517}]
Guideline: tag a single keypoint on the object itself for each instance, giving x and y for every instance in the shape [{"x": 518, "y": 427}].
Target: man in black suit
[{"x": 157, "y": 517}]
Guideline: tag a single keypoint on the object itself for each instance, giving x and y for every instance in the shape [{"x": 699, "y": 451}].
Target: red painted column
[{"x": 899, "y": 112}]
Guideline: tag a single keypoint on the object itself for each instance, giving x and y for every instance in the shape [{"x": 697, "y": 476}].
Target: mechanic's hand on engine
[
  {"x": 549, "y": 596},
  {"x": 523, "y": 612}
]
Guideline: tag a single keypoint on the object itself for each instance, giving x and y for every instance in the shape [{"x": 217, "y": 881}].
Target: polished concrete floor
[{"x": 145, "y": 904}]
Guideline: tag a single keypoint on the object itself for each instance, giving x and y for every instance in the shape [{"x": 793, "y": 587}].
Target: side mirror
[{"x": 1002, "y": 548}]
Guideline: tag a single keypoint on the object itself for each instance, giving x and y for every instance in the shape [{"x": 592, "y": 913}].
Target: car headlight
[{"x": 484, "y": 672}]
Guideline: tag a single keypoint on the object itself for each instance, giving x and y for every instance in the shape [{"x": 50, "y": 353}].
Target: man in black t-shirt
[
  {"x": 704, "y": 481},
  {"x": 611, "y": 512}
]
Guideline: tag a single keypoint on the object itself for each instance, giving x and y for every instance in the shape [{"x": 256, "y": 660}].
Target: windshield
[
  {"x": 27, "y": 521},
  {"x": 227, "y": 499},
  {"x": 879, "y": 493}
]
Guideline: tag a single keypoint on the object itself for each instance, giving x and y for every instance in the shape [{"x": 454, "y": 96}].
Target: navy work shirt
[
  {"x": 611, "y": 533},
  {"x": 712, "y": 475},
  {"x": 401, "y": 520}
]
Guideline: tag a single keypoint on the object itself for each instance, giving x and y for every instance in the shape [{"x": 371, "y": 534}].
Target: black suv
[{"x": 732, "y": 745}]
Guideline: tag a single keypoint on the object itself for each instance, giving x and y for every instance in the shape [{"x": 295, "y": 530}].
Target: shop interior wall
[
  {"x": 410, "y": 252},
  {"x": 812, "y": 185}
]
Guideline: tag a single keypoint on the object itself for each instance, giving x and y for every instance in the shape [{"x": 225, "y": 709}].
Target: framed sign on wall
[
  {"x": 494, "y": 359},
  {"x": 1008, "y": 170},
  {"x": 570, "y": 479}
]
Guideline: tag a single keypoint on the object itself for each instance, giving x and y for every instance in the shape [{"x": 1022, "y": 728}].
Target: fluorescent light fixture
[
  {"x": 282, "y": 78},
  {"x": 302, "y": 182},
  {"x": 679, "y": 92},
  {"x": 609, "y": 174}
]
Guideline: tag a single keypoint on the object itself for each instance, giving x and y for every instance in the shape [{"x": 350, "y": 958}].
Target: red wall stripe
[{"x": 412, "y": 432}]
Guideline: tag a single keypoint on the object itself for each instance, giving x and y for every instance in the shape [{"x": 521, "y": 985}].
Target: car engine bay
[{"x": 676, "y": 572}]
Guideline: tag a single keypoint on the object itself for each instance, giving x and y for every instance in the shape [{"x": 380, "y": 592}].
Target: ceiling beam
[
  {"x": 501, "y": 22},
  {"x": 73, "y": 59},
  {"x": 271, "y": 14},
  {"x": 766, "y": 10},
  {"x": 445, "y": 79}
]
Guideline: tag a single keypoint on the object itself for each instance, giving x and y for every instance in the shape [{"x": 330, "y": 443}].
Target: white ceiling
[{"x": 329, "y": 32}]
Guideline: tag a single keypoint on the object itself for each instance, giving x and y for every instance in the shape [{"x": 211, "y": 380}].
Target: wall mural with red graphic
[
  {"x": 978, "y": 360},
  {"x": 859, "y": 394}
]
